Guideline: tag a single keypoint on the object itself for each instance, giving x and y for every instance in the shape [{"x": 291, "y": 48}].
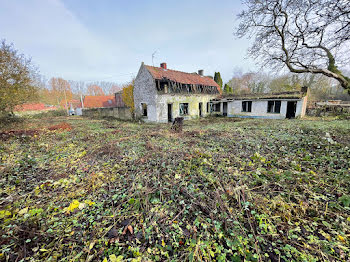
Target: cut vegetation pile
[{"x": 222, "y": 190}]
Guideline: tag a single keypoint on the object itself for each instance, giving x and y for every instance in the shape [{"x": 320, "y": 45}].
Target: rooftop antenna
[{"x": 153, "y": 56}]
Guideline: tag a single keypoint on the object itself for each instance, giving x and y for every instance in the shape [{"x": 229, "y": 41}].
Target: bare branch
[{"x": 307, "y": 36}]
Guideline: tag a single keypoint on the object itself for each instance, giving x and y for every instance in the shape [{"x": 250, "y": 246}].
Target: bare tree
[
  {"x": 95, "y": 90},
  {"x": 108, "y": 88},
  {"x": 306, "y": 36},
  {"x": 61, "y": 89},
  {"x": 114, "y": 89},
  {"x": 250, "y": 82},
  {"x": 78, "y": 89}
]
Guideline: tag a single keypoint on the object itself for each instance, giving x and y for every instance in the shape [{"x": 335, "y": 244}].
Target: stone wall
[
  {"x": 119, "y": 99},
  {"x": 157, "y": 104},
  {"x": 123, "y": 113},
  {"x": 145, "y": 92},
  {"x": 328, "y": 110}
]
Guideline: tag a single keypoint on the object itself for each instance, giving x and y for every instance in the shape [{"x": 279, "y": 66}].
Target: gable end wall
[{"x": 145, "y": 92}]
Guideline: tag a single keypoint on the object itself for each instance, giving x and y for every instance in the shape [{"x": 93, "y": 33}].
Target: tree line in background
[
  {"x": 321, "y": 87},
  {"x": 57, "y": 90},
  {"x": 20, "y": 83}
]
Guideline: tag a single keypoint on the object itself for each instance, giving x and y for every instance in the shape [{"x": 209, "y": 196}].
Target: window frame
[
  {"x": 247, "y": 106},
  {"x": 216, "y": 107},
  {"x": 144, "y": 109},
  {"x": 187, "y": 106},
  {"x": 271, "y": 106}
]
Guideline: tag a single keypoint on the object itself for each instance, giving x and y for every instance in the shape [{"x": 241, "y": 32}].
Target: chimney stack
[
  {"x": 201, "y": 72},
  {"x": 163, "y": 65},
  {"x": 304, "y": 90}
]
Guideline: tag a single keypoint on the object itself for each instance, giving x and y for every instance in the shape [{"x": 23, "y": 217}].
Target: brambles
[
  {"x": 223, "y": 189},
  {"x": 60, "y": 126}
]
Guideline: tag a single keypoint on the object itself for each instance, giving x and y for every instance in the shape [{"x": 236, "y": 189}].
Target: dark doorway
[
  {"x": 200, "y": 106},
  {"x": 291, "y": 108},
  {"x": 170, "y": 112},
  {"x": 224, "y": 108}
]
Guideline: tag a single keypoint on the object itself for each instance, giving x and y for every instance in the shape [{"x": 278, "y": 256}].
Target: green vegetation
[
  {"x": 217, "y": 79},
  {"x": 228, "y": 89},
  {"x": 74, "y": 189},
  {"x": 17, "y": 79}
]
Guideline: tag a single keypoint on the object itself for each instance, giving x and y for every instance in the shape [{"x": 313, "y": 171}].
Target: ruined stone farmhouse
[{"x": 161, "y": 94}]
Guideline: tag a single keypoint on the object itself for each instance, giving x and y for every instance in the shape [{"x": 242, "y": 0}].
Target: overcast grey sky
[{"x": 107, "y": 40}]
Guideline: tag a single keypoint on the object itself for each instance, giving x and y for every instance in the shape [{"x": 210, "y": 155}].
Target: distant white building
[{"x": 270, "y": 106}]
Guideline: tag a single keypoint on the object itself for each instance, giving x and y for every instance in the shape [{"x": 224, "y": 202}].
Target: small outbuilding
[{"x": 270, "y": 105}]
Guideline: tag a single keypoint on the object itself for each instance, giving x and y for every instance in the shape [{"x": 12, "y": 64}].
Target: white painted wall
[
  {"x": 193, "y": 101},
  {"x": 301, "y": 107},
  {"x": 259, "y": 109}
]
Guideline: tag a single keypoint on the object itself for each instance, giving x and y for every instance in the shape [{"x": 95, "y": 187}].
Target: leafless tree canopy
[{"x": 306, "y": 36}]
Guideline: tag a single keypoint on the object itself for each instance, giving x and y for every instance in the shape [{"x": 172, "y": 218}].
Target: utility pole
[
  {"x": 65, "y": 98},
  {"x": 153, "y": 55},
  {"x": 81, "y": 95},
  {"x": 82, "y": 101}
]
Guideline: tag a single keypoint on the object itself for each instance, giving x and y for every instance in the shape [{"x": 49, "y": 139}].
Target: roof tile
[
  {"x": 99, "y": 101},
  {"x": 181, "y": 77}
]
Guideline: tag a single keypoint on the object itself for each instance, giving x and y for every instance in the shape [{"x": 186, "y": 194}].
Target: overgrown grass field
[{"x": 76, "y": 189}]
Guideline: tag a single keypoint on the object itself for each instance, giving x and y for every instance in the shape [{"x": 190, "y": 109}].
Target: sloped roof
[
  {"x": 181, "y": 77},
  {"x": 99, "y": 101}
]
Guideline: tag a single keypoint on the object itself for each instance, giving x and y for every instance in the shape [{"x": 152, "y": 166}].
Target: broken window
[
  {"x": 164, "y": 87},
  {"x": 277, "y": 106},
  {"x": 246, "y": 106},
  {"x": 274, "y": 107},
  {"x": 144, "y": 109},
  {"x": 216, "y": 107},
  {"x": 183, "y": 109}
]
